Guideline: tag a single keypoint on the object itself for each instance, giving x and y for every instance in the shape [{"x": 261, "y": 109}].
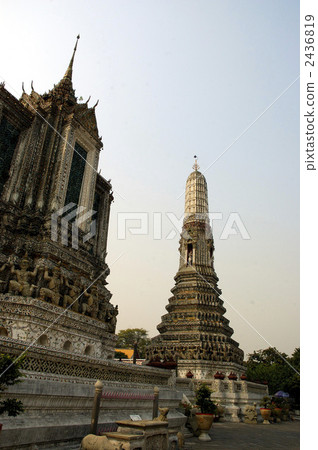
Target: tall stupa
[{"x": 195, "y": 332}]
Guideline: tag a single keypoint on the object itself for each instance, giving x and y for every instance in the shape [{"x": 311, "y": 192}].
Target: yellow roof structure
[{"x": 128, "y": 351}]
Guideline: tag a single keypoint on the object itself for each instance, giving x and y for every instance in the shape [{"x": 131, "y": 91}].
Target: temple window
[
  {"x": 3, "y": 331},
  {"x": 9, "y": 138},
  {"x": 88, "y": 350},
  {"x": 189, "y": 255},
  {"x": 43, "y": 340},
  {"x": 76, "y": 175},
  {"x": 67, "y": 346}
]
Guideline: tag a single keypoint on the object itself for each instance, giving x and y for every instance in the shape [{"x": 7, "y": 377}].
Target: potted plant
[
  {"x": 285, "y": 410},
  {"x": 207, "y": 408},
  {"x": 266, "y": 409},
  {"x": 278, "y": 408},
  {"x": 232, "y": 376},
  {"x": 186, "y": 408},
  {"x": 219, "y": 375}
]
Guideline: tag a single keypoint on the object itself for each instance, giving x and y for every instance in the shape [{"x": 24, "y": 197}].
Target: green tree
[
  {"x": 10, "y": 375},
  {"x": 277, "y": 369},
  {"x": 127, "y": 339}
]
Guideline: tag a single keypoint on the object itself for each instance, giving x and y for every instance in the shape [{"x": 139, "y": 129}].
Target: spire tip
[{"x": 196, "y": 165}]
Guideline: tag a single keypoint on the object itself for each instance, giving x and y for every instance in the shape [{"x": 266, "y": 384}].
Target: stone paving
[{"x": 242, "y": 436}]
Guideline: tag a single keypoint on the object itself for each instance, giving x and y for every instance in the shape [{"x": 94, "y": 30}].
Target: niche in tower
[
  {"x": 76, "y": 175},
  {"x": 189, "y": 254}
]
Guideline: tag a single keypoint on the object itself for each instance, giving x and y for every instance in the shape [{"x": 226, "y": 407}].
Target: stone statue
[
  {"x": 71, "y": 299},
  {"x": 111, "y": 318},
  {"x": 162, "y": 416},
  {"x": 103, "y": 305},
  {"x": 250, "y": 414},
  {"x": 55, "y": 283},
  {"x": 180, "y": 437},
  {"x": 3, "y": 282},
  {"x": 91, "y": 306},
  {"x": 93, "y": 442},
  {"x": 21, "y": 285}
]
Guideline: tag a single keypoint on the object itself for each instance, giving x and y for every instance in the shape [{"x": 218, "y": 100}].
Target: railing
[{"x": 126, "y": 396}]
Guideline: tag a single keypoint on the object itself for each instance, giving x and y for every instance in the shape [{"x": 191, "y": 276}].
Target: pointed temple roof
[
  {"x": 69, "y": 70},
  {"x": 65, "y": 87},
  {"x": 196, "y": 197},
  {"x": 64, "y": 94}
]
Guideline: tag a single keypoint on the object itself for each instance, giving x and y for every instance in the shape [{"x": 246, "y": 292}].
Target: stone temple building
[
  {"x": 195, "y": 331},
  {"x": 55, "y": 307},
  {"x": 54, "y": 214}
]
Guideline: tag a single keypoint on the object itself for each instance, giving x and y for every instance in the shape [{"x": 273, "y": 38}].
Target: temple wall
[{"x": 58, "y": 391}]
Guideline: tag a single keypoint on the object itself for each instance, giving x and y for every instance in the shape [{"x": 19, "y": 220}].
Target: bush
[
  {"x": 203, "y": 400},
  {"x": 10, "y": 375}
]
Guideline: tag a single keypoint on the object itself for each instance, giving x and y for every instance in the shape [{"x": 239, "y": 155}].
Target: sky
[{"x": 176, "y": 78}]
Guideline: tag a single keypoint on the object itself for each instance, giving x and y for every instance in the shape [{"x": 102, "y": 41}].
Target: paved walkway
[{"x": 242, "y": 436}]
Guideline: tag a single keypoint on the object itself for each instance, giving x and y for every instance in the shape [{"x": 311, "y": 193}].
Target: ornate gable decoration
[{"x": 87, "y": 118}]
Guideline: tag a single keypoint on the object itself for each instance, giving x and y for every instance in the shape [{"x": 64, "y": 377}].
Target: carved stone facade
[
  {"x": 195, "y": 331},
  {"x": 54, "y": 216}
]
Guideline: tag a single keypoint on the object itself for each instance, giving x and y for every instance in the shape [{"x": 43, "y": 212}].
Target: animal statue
[
  {"x": 250, "y": 414},
  {"x": 180, "y": 437},
  {"x": 93, "y": 442},
  {"x": 162, "y": 416}
]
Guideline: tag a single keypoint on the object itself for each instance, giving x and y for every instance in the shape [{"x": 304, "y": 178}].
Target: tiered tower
[
  {"x": 195, "y": 332},
  {"x": 54, "y": 215}
]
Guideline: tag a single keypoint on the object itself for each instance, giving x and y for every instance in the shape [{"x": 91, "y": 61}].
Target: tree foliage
[
  {"x": 127, "y": 339},
  {"x": 270, "y": 365},
  {"x": 203, "y": 399},
  {"x": 10, "y": 375}
]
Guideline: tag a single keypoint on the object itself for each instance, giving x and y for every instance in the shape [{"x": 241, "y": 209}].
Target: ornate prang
[
  {"x": 195, "y": 331},
  {"x": 39, "y": 136}
]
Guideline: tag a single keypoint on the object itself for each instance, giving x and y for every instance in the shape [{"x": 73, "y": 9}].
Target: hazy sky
[{"x": 176, "y": 78}]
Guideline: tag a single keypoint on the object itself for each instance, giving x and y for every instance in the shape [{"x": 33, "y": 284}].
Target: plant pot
[
  {"x": 232, "y": 376},
  {"x": 285, "y": 414},
  {"x": 243, "y": 377},
  {"x": 204, "y": 424},
  {"x": 265, "y": 413},
  {"x": 219, "y": 376},
  {"x": 189, "y": 374},
  {"x": 278, "y": 414}
]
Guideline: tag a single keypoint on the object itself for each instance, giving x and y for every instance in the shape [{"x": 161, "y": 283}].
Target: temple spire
[
  {"x": 195, "y": 333},
  {"x": 196, "y": 194},
  {"x": 196, "y": 165},
  {"x": 69, "y": 70}
]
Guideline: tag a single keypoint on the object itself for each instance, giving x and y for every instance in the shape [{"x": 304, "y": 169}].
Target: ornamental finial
[
  {"x": 69, "y": 70},
  {"x": 196, "y": 165}
]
